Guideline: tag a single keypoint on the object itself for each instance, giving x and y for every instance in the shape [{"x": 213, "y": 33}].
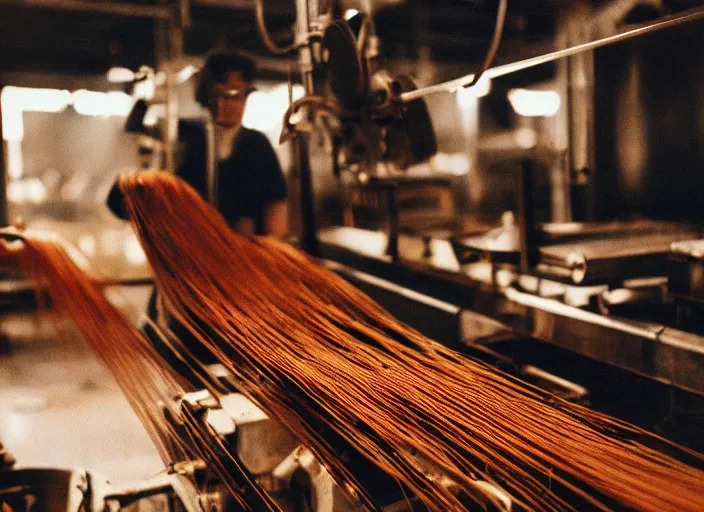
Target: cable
[
  {"x": 495, "y": 42},
  {"x": 507, "y": 69},
  {"x": 264, "y": 33},
  {"x": 317, "y": 102}
]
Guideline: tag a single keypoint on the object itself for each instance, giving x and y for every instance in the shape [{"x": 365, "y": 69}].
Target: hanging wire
[
  {"x": 495, "y": 42},
  {"x": 264, "y": 32}
]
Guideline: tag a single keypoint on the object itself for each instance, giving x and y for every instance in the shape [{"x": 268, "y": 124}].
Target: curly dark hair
[{"x": 216, "y": 67}]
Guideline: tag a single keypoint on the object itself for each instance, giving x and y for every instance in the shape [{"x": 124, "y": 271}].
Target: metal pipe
[
  {"x": 175, "y": 56},
  {"x": 264, "y": 32},
  {"x": 507, "y": 69},
  {"x": 309, "y": 230},
  {"x": 526, "y": 216},
  {"x": 3, "y": 177},
  {"x": 118, "y": 9}
]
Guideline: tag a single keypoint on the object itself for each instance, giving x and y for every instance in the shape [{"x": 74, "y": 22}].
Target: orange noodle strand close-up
[{"x": 345, "y": 377}]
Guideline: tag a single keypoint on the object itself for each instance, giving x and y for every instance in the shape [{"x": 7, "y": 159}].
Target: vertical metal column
[
  {"x": 301, "y": 141},
  {"x": 560, "y": 163},
  {"x": 526, "y": 216},
  {"x": 581, "y": 113},
  {"x": 169, "y": 57},
  {"x": 3, "y": 176}
]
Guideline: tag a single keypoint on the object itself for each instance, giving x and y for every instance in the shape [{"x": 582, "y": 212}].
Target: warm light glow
[
  {"x": 17, "y": 100},
  {"x": 87, "y": 244},
  {"x": 452, "y": 163},
  {"x": 467, "y": 95},
  {"x": 351, "y": 13},
  {"x": 15, "y": 162},
  {"x": 534, "y": 103},
  {"x": 30, "y": 190},
  {"x": 133, "y": 251},
  {"x": 154, "y": 112},
  {"x": 92, "y": 103},
  {"x": 145, "y": 89},
  {"x": 186, "y": 73},
  {"x": 264, "y": 110},
  {"x": 526, "y": 138},
  {"x": 35, "y": 190},
  {"x": 35, "y": 100},
  {"x": 119, "y": 75}
]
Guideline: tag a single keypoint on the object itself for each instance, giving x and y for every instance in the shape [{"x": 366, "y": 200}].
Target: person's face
[{"x": 230, "y": 97}]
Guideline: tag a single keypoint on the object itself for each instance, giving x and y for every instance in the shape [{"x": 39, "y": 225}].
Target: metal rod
[
  {"x": 175, "y": 60},
  {"x": 118, "y": 9},
  {"x": 507, "y": 69},
  {"x": 526, "y": 215},
  {"x": 309, "y": 230},
  {"x": 4, "y": 221}
]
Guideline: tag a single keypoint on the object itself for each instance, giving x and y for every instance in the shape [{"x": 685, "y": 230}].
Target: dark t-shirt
[{"x": 249, "y": 180}]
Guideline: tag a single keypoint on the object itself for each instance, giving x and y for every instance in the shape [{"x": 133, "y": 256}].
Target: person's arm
[
  {"x": 243, "y": 226},
  {"x": 275, "y": 207},
  {"x": 276, "y": 219}
]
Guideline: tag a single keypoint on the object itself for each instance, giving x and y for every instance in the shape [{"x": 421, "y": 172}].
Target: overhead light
[
  {"x": 351, "y": 13},
  {"x": 264, "y": 110},
  {"x": 106, "y": 104},
  {"x": 186, "y": 73},
  {"x": 17, "y": 100},
  {"x": 154, "y": 112},
  {"x": 529, "y": 103},
  {"x": 120, "y": 75},
  {"x": 145, "y": 89},
  {"x": 29, "y": 99}
]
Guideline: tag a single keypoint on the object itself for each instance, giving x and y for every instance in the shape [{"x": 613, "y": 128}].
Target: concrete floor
[{"x": 59, "y": 407}]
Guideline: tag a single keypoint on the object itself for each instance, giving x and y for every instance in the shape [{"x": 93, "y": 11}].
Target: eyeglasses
[{"x": 232, "y": 94}]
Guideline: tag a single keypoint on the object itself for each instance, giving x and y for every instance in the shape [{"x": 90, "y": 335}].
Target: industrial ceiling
[{"x": 61, "y": 36}]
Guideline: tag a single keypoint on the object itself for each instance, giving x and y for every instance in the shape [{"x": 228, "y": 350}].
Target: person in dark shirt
[{"x": 249, "y": 188}]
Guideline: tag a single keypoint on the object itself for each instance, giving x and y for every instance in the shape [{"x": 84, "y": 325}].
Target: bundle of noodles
[
  {"x": 147, "y": 382},
  {"x": 330, "y": 365}
]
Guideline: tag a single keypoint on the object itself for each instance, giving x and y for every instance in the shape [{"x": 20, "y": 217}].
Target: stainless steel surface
[
  {"x": 557, "y": 232},
  {"x": 581, "y": 253},
  {"x": 612, "y": 259},
  {"x": 686, "y": 271},
  {"x": 506, "y": 69},
  {"x": 632, "y": 345}
]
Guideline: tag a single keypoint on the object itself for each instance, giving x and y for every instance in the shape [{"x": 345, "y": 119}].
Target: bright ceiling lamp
[
  {"x": 35, "y": 100},
  {"x": 351, "y": 13},
  {"x": 529, "y": 103},
  {"x": 186, "y": 73},
  {"x": 106, "y": 104},
  {"x": 120, "y": 75},
  {"x": 264, "y": 110},
  {"x": 17, "y": 100}
]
